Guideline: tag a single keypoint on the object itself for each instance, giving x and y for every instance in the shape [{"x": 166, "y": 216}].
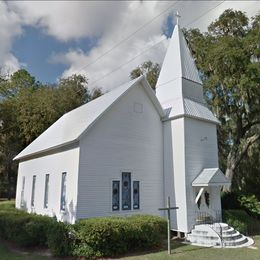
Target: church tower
[{"x": 191, "y": 175}]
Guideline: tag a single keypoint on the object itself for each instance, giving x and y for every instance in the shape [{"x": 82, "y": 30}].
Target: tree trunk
[
  {"x": 9, "y": 177},
  {"x": 229, "y": 174},
  {"x": 234, "y": 158}
]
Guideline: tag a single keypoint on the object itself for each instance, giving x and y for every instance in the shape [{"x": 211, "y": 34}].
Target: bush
[
  {"x": 60, "y": 239},
  {"x": 238, "y": 219},
  {"x": 113, "y": 236},
  {"x": 251, "y": 204},
  {"x": 23, "y": 228},
  {"x": 96, "y": 237}
]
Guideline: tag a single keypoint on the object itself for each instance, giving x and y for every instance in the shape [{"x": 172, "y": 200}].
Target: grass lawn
[{"x": 182, "y": 251}]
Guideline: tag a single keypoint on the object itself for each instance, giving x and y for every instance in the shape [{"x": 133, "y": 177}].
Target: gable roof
[
  {"x": 211, "y": 177},
  {"x": 71, "y": 126}
]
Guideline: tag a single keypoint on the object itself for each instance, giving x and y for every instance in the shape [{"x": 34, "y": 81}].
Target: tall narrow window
[
  {"x": 63, "y": 191},
  {"x": 136, "y": 195},
  {"x": 115, "y": 195},
  {"x": 33, "y": 190},
  {"x": 126, "y": 190},
  {"x": 22, "y": 191},
  {"x": 46, "y": 191}
]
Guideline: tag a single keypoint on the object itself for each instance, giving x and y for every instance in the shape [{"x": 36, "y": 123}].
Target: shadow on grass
[{"x": 177, "y": 247}]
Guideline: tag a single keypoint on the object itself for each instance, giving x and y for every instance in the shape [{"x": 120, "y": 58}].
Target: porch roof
[{"x": 210, "y": 177}]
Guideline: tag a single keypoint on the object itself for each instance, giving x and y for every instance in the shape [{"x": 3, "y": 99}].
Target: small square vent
[{"x": 138, "y": 108}]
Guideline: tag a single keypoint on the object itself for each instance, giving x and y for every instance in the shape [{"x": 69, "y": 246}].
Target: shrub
[
  {"x": 23, "y": 228},
  {"x": 96, "y": 237},
  {"x": 251, "y": 204},
  {"x": 238, "y": 219},
  {"x": 112, "y": 236},
  {"x": 60, "y": 239}
]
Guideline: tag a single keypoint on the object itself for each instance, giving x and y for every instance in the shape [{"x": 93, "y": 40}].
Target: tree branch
[{"x": 245, "y": 147}]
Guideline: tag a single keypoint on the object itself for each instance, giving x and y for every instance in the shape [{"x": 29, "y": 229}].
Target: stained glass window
[
  {"x": 115, "y": 195},
  {"x": 126, "y": 191},
  {"x": 136, "y": 195}
]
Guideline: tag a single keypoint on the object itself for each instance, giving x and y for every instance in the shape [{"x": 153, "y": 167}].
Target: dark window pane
[
  {"x": 33, "y": 190},
  {"x": 126, "y": 191},
  {"x": 136, "y": 195},
  {"x": 63, "y": 191},
  {"x": 22, "y": 192},
  {"x": 115, "y": 195},
  {"x": 46, "y": 193}
]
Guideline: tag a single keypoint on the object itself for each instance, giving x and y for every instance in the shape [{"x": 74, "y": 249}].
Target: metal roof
[
  {"x": 178, "y": 61},
  {"x": 72, "y": 125},
  {"x": 210, "y": 177},
  {"x": 198, "y": 110},
  {"x": 190, "y": 108}
]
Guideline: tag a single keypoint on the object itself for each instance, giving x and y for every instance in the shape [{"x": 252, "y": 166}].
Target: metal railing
[{"x": 212, "y": 221}]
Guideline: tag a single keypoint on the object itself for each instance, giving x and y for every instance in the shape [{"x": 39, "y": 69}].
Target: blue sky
[
  {"x": 56, "y": 39},
  {"x": 34, "y": 48}
]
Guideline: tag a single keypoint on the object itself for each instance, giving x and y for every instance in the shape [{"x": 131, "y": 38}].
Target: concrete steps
[{"x": 217, "y": 235}]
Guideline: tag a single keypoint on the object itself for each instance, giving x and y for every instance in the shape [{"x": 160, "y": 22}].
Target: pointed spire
[
  {"x": 178, "y": 65},
  {"x": 177, "y": 17}
]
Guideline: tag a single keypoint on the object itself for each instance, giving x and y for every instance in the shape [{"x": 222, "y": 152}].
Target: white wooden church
[{"x": 128, "y": 150}]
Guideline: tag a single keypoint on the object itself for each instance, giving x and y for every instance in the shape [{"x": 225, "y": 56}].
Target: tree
[
  {"x": 228, "y": 58},
  {"x": 150, "y": 70},
  {"x": 27, "y": 108}
]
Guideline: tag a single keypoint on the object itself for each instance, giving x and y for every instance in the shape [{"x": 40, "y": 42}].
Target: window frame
[
  {"x": 119, "y": 197},
  {"x": 129, "y": 192},
  {"x": 138, "y": 204},
  {"x": 63, "y": 191},
  {"x": 22, "y": 192},
  {"x": 33, "y": 191},
  {"x": 46, "y": 191}
]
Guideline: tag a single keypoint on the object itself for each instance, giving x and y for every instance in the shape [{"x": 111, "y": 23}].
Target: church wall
[
  {"x": 54, "y": 165},
  {"x": 128, "y": 138},
  {"x": 201, "y": 151},
  {"x": 174, "y": 171}
]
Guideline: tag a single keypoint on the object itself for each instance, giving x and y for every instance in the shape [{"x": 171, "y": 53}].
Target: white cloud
[
  {"x": 111, "y": 22},
  {"x": 9, "y": 29}
]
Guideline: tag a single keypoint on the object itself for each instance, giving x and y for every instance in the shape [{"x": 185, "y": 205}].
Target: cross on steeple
[{"x": 177, "y": 15}]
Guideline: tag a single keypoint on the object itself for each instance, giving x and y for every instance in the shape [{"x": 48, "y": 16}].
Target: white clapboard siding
[
  {"x": 54, "y": 165},
  {"x": 122, "y": 140},
  {"x": 201, "y": 152},
  {"x": 174, "y": 171}
]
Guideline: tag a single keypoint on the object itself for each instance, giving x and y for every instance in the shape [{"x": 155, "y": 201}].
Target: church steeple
[
  {"x": 179, "y": 88},
  {"x": 179, "y": 76}
]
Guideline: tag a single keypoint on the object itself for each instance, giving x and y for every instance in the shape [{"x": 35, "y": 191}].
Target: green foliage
[
  {"x": 150, "y": 70},
  {"x": 23, "y": 228},
  {"x": 228, "y": 59},
  {"x": 60, "y": 239},
  {"x": 238, "y": 219},
  {"x": 112, "y": 236},
  {"x": 229, "y": 200},
  {"x": 96, "y": 237},
  {"x": 27, "y": 108},
  {"x": 251, "y": 204}
]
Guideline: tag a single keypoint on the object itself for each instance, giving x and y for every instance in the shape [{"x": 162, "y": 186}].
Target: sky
[{"x": 103, "y": 40}]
